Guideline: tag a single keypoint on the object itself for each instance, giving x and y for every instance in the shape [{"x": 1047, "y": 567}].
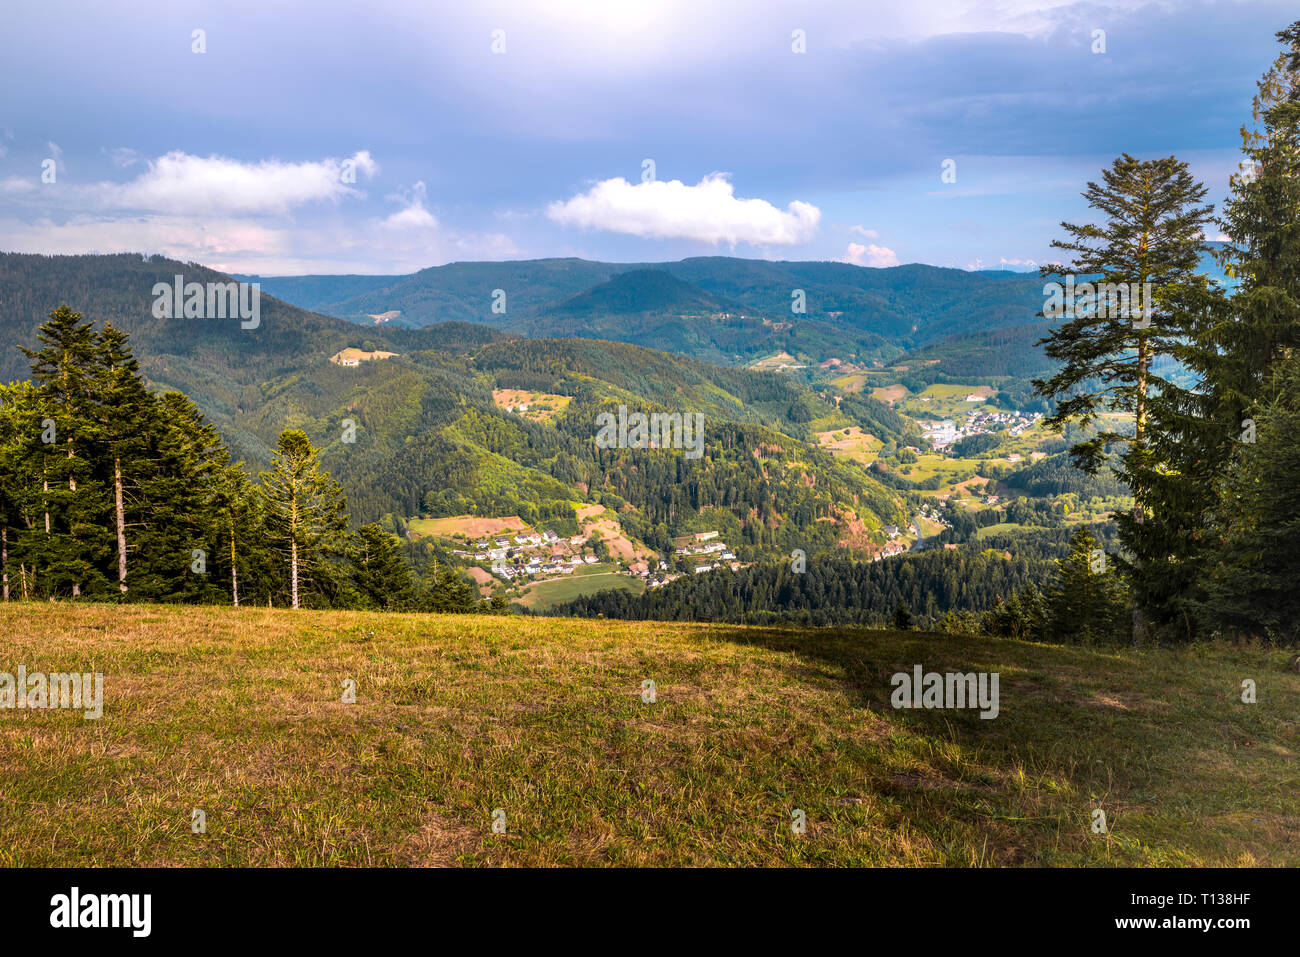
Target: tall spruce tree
[
  {"x": 241, "y": 550},
  {"x": 1252, "y": 584},
  {"x": 20, "y": 498},
  {"x": 304, "y": 516},
  {"x": 128, "y": 423},
  {"x": 1149, "y": 243},
  {"x": 78, "y": 542},
  {"x": 1250, "y": 342},
  {"x": 180, "y": 538}
]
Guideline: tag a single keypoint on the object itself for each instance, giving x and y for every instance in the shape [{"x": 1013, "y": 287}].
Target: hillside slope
[{"x": 457, "y": 717}]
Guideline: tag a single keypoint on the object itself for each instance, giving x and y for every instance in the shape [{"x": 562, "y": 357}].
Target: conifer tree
[
  {"x": 19, "y": 483},
  {"x": 1246, "y": 340},
  {"x": 78, "y": 541},
  {"x": 127, "y": 421},
  {"x": 240, "y": 540},
  {"x": 1085, "y": 603},
  {"x": 304, "y": 515},
  {"x": 1153, "y": 233},
  {"x": 380, "y": 575},
  {"x": 179, "y": 518},
  {"x": 1252, "y": 590}
]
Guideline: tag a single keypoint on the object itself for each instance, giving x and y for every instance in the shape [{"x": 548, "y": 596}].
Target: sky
[{"x": 295, "y": 138}]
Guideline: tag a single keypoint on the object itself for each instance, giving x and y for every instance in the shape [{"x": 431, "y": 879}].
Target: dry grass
[{"x": 239, "y": 712}]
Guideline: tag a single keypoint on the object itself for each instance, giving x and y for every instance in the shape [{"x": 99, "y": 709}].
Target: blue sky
[{"x": 389, "y": 137}]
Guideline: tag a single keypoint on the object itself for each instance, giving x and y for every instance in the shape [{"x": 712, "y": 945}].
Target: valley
[{"x": 456, "y": 433}]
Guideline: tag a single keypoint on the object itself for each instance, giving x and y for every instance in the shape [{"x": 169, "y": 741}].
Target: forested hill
[
  {"x": 220, "y": 365},
  {"x": 428, "y": 421}
]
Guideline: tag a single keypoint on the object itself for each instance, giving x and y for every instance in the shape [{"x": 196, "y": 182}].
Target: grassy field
[
  {"x": 586, "y": 580},
  {"x": 240, "y": 713}
]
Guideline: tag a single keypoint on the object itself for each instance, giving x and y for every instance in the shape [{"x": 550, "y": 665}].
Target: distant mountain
[
  {"x": 460, "y": 292},
  {"x": 846, "y": 309},
  {"x": 653, "y": 308},
  {"x": 641, "y": 291},
  {"x": 320, "y": 293}
]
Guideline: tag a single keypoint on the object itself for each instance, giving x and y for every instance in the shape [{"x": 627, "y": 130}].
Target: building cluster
[
  {"x": 943, "y": 433},
  {"x": 529, "y": 555},
  {"x": 706, "y": 550}
]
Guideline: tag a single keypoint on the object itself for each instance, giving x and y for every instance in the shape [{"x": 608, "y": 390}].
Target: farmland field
[{"x": 586, "y": 580}]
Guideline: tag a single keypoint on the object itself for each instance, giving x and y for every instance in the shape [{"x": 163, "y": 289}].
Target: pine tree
[
  {"x": 240, "y": 538},
  {"x": 127, "y": 422},
  {"x": 447, "y": 591},
  {"x": 380, "y": 575},
  {"x": 902, "y": 616},
  {"x": 304, "y": 516},
  {"x": 20, "y": 499},
  {"x": 1153, "y": 234},
  {"x": 1239, "y": 355},
  {"x": 1084, "y": 604},
  {"x": 1262, "y": 221},
  {"x": 1252, "y": 589},
  {"x": 178, "y": 517},
  {"x": 77, "y": 545}
]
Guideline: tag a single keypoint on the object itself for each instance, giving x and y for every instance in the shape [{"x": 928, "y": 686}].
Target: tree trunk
[
  {"x": 4, "y": 558},
  {"x": 121, "y": 525},
  {"x": 293, "y": 549},
  {"x": 293, "y": 572},
  {"x": 234, "y": 572},
  {"x": 72, "y": 487}
]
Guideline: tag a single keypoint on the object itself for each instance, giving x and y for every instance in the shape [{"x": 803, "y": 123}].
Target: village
[
  {"x": 943, "y": 433},
  {"x": 535, "y": 556}
]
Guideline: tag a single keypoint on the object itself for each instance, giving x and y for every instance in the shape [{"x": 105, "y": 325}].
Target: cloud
[
  {"x": 414, "y": 215},
  {"x": 872, "y": 255},
  {"x": 708, "y": 212},
  {"x": 864, "y": 232},
  {"x": 123, "y": 156},
  {"x": 181, "y": 183}
]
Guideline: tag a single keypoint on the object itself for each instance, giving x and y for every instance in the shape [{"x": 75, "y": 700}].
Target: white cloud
[
  {"x": 414, "y": 215},
  {"x": 871, "y": 255},
  {"x": 181, "y": 183},
  {"x": 708, "y": 212},
  {"x": 864, "y": 232}
]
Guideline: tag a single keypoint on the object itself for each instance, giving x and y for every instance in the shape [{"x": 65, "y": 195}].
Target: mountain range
[{"x": 719, "y": 309}]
